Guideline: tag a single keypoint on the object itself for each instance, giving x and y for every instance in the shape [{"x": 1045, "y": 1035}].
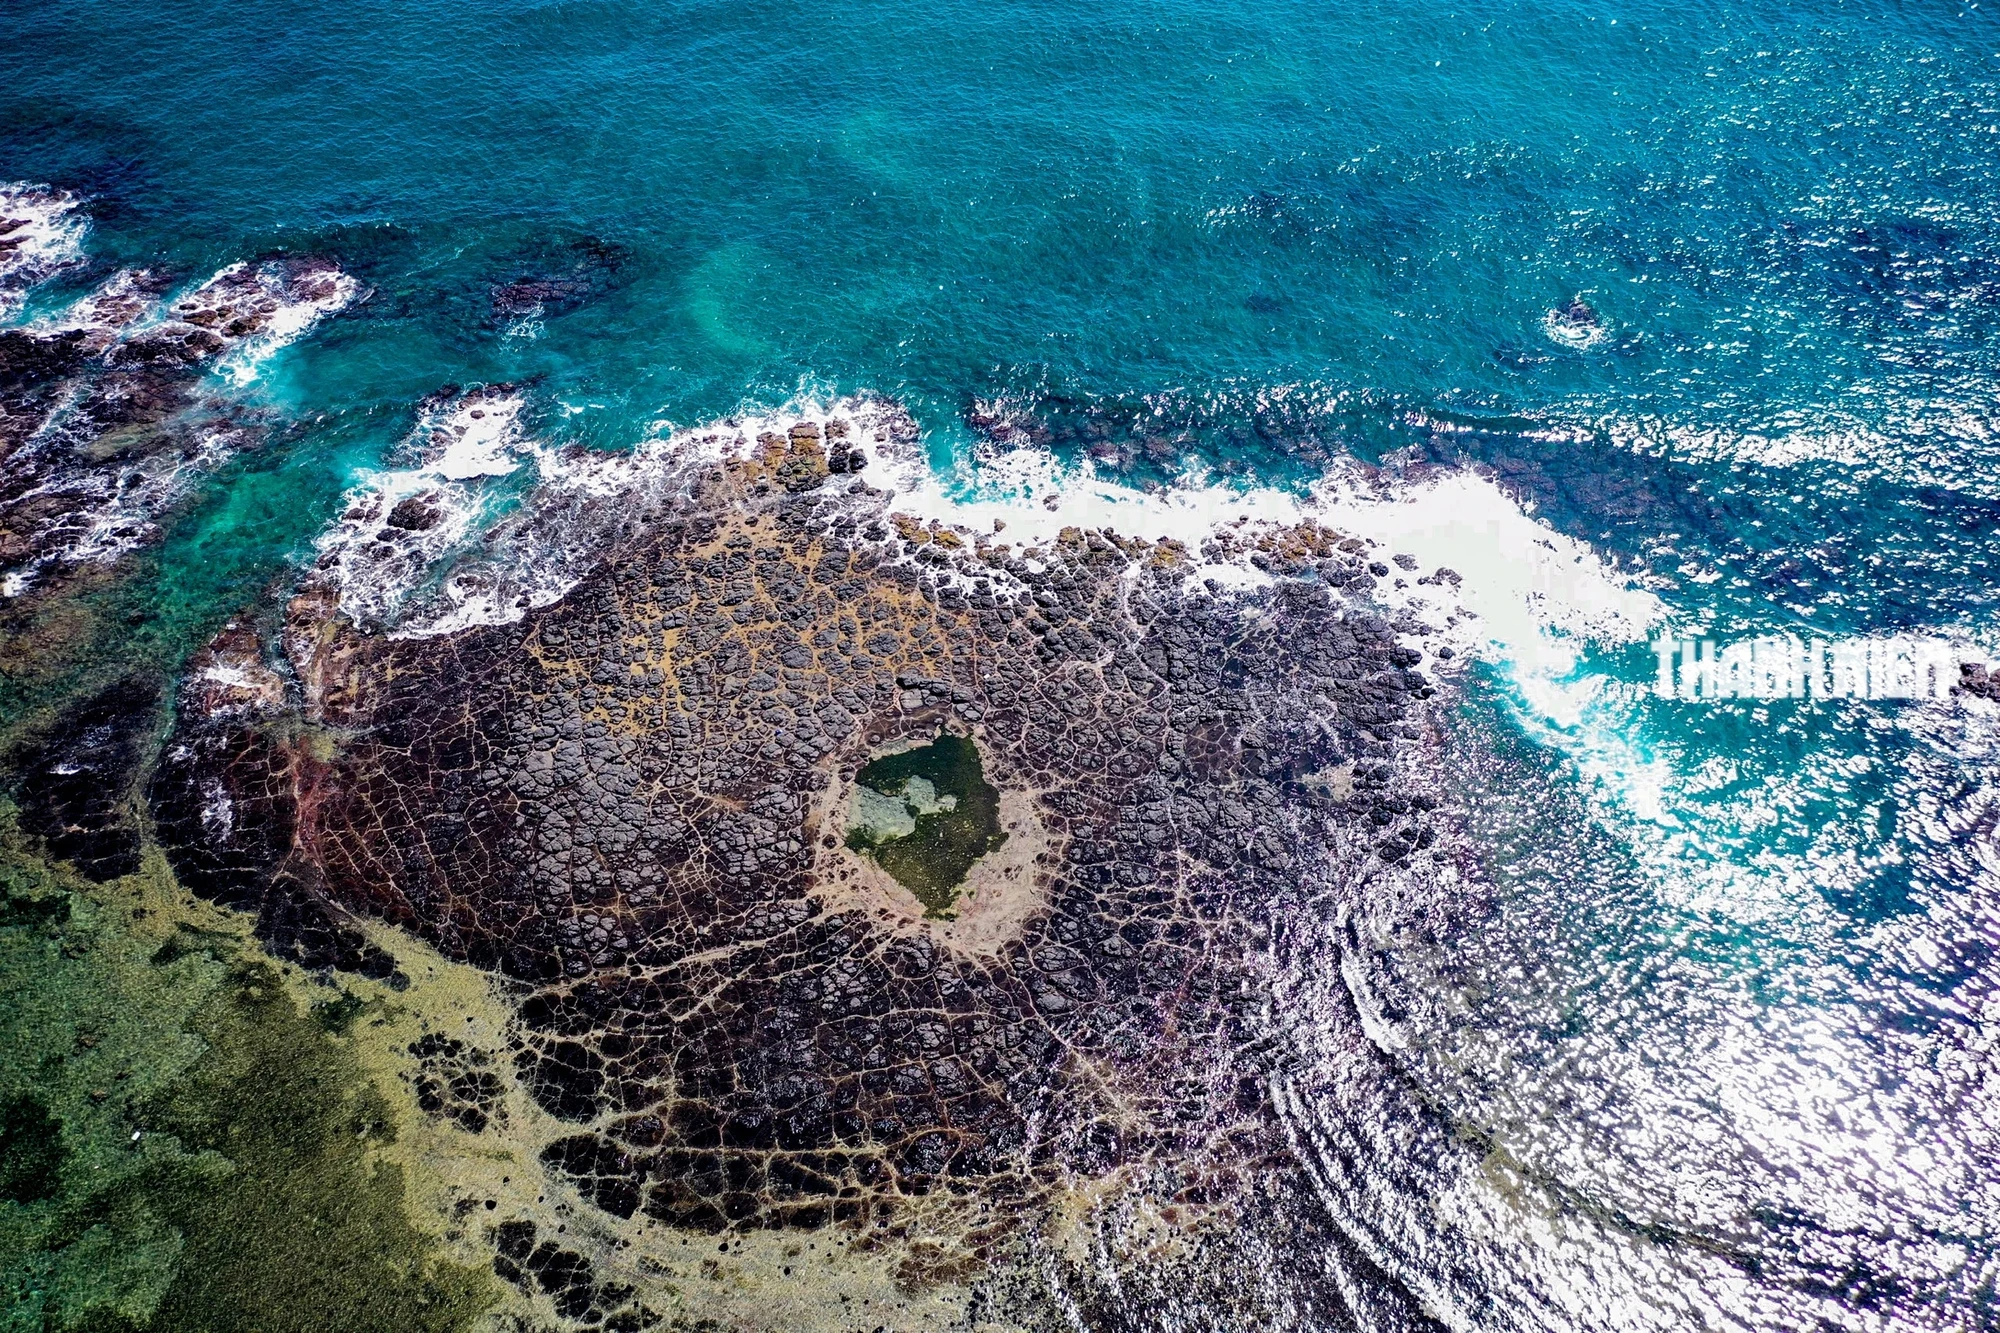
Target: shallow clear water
[{"x": 1728, "y": 972}]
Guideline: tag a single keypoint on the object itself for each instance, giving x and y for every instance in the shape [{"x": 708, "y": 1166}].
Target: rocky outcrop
[
  {"x": 75, "y": 782},
  {"x": 103, "y": 416},
  {"x": 628, "y": 803}
]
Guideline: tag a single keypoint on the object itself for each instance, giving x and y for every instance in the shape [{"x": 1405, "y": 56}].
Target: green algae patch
[
  {"x": 926, "y": 815},
  {"x": 183, "y": 1146},
  {"x": 30, "y": 1151}
]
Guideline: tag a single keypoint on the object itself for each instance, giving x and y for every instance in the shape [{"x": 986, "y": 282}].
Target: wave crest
[{"x": 41, "y": 234}]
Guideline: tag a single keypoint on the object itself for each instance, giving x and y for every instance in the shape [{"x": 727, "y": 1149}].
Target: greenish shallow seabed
[
  {"x": 933, "y": 860},
  {"x": 183, "y": 1144}
]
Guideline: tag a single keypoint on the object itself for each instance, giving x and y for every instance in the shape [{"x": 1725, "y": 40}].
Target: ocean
[{"x": 1647, "y": 322}]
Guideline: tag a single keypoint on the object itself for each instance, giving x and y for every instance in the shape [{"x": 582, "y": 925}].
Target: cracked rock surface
[{"x": 630, "y": 805}]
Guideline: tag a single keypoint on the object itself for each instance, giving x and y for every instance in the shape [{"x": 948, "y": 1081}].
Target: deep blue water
[
  {"x": 1272, "y": 236},
  {"x": 1783, "y": 215}
]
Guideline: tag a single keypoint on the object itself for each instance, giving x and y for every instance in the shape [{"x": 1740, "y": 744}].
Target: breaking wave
[
  {"x": 487, "y": 521},
  {"x": 116, "y": 420},
  {"x": 509, "y": 522},
  {"x": 41, "y": 234},
  {"x": 264, "y": 308}
]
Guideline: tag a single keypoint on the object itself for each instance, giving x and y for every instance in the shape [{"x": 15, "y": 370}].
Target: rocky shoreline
[
  {"x": 729, "y": 1040},
  {"x": 96, "y": 432},
  {"x": 111, "y": 410},
  {"x": 624, "y": 803}
]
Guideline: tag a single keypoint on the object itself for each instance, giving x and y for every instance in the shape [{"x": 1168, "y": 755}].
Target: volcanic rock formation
[
  {"x": 96, "y": 434},
  {"x": 631, "y": 803}
]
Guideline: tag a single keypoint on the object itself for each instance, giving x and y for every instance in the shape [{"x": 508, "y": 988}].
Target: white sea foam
[
  {"x": 1686, "y": 812},
  {"x": 117, "y": 510},
  {"x": 138, "y": 494},
  {"x": 526, "y": 325},
  {"x": 1478, "y": 574},
  {"x": 1515, "y": 590},
  {"x": 41, "y": 233},
  {"x": 264, "y": 308},
  {"x": 1520, "y": 595},
  {"x": 89, "y": 510},
  {"x": 467, "y": 547},
  {"x": 234, "y": 676},
  {"x": 1512, "y": 590},
  {"x": 1524, "y": 598},
  {"x": 401, "y": 524},
  {"x": 480, "y": 439},
  {"x": 1566, "y": 330},
  {"x": 119, "y": 302}
]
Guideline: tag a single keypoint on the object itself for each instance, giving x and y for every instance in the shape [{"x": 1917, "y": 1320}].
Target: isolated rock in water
[
  {"x": 556, "y": 279},
  {"x": 538, "y": 296},
  {"x": 1977, "y": 678},
  {"x": 1578, "y": 315},
  {"x": 1574, "y": 325},
  {"x": 247, "y": 299}
]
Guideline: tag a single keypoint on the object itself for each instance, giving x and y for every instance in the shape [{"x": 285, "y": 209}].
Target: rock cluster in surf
[{"x": 97, "y": 423}]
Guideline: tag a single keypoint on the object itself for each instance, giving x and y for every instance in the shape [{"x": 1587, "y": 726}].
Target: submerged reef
[{"x": 740, "y": 1012}]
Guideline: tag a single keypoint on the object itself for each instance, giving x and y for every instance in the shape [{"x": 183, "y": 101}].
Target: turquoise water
[
  {"x": 1292, "y": 227},
  {"x": 1783, "y": 218},
  {"x": 1266, "y": 238}
]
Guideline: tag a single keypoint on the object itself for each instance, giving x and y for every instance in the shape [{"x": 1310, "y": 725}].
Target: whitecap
[
  {"x": 264, "y": 308},
  {"x": 1478, "y": 573},
  {"x": 135, "y": 496},
  {"x": 1468, "y": 571},
  {"x": 400, "y": 523},
  {"x": 87, "y": 508},
  {"x": 494, "y": 521},
  {"x": 117, "y": 304},
  {"x": 1574, "y": 325},
  {"x": 41, "y": 233},
  {"x": 526, "y": 325}
]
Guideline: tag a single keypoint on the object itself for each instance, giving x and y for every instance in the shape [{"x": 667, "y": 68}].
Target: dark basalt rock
[
  {"x": 568, "y": 1279},
  {"x": 30, "y": 364},
  {"x": 457, "y": 1082},
  {"x": 538, "y": 296},
  {"x": 75, "y": 783},
  {"x": 96, "y": 419},
  {"x": 562, "y": 277},
  {"x": 223, "y": 809},
  {"x": 414, "y": 514},
  {"x": 1977, "y": 678},
  {"x": 619, "y": 803},
  {"x": 1577, "y": 316},
  {"x": 301, "y": 926},
  {"x": 243, "y": 870}
]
